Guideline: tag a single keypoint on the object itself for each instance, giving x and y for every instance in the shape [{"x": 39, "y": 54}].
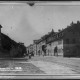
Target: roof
[{"x": 0, "y": 26}]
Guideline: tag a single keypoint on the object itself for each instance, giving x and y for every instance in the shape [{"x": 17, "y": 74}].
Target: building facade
[
  {"x": 71, "y": 40},
  {"x": 66, "y": 40},
  {"x": 38, "y": 45},
  {"x": 29, "y": 49}
]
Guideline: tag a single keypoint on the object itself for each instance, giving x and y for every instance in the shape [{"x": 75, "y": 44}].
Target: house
[
  {"x": 38, "y": 44},
  {"x": 30, "y": 49},
  {"x": 66, "y": 40},
  {"x": 49, "y": 42},
  {"x": 43, "y": 42},
  {"x": 71, "y": 40}
]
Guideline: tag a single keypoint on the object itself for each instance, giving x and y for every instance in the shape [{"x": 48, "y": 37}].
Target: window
[
  {"x": 50, "y": 44},
  {"x": 73, "y": 41},
  {"x": 60, "y": 42},
  {"x": 59, "y": 34},
  {"x": 67, "y": 41},
  {"x": 73, "y": 32}
]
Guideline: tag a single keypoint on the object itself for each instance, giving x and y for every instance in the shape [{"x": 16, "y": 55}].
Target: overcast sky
[{"x": 25, "y": 23}]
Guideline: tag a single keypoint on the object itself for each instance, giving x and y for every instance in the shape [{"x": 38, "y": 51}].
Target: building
[
  {"x": 71, "y": 40},
  {"x": 38, "y": 47},
  {"x": 49, "y": 41},
  {"x": 66, "y": 40},
  {"x": 42, "y": 42},
  {"x": 35, "y": 47},
  {"x": 29, "y": 49},
  {"x": 53, "y": 40}
]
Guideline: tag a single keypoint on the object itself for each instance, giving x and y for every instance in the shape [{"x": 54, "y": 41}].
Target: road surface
[
  {"x": 36, "y": 67},
  {"x": 33, "y": 67}
]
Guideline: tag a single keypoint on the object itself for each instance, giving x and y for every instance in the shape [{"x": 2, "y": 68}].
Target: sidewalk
[{"x": 73, "y": 63}]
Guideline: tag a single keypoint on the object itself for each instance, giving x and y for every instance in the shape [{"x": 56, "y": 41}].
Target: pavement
[
  {"x": 53, "y": 68},
  {"x": 73, "y": 63},
  {"x": 64, "y": 64},
  {"x": 39, "y": 67},
  {"x": 18, "y": 67},
  {"x": 50, "y": 65}
]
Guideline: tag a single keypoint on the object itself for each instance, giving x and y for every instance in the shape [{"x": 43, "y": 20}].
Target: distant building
[
  {"x": 29, "y": 48},
  {"x": 42, "y": 42},
  {"x": 49, "y": 41},
  {"x": 37, "y": 46}
]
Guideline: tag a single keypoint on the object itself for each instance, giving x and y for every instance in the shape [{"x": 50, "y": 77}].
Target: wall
[{"x": 70, "y": 49}]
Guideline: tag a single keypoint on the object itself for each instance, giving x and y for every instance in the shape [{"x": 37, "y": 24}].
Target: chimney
[
  {"x": 59, "y": 30},
  {"x": 72, "y": 23},
  {"x": 52, "y": 30},
  {"x": 78, "y": 22}
]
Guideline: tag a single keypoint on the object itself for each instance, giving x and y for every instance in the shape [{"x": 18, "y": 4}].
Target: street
[
  {"x": 38, "y": 65},
  {"x": 53, "y": 69},
  {"x": 12, "y": 67}
]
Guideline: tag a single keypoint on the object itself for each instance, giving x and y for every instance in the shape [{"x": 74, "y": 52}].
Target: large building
[
  {"x": 66, "y": 40},
  {"x": 49, "y": 41},
  {"x": 71, "y": 40},
  {"x": 42, "y": 42},
  {"x": 55, "y": 40}
]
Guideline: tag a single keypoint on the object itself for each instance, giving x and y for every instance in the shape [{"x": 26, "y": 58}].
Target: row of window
[
  {"x": 73, "y": 41},
  {"x": 60, "y": 42},
  {"x": 55, "y": 37}
]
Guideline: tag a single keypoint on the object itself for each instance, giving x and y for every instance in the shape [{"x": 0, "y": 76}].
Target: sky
[{"x": 24, "y": 23}]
